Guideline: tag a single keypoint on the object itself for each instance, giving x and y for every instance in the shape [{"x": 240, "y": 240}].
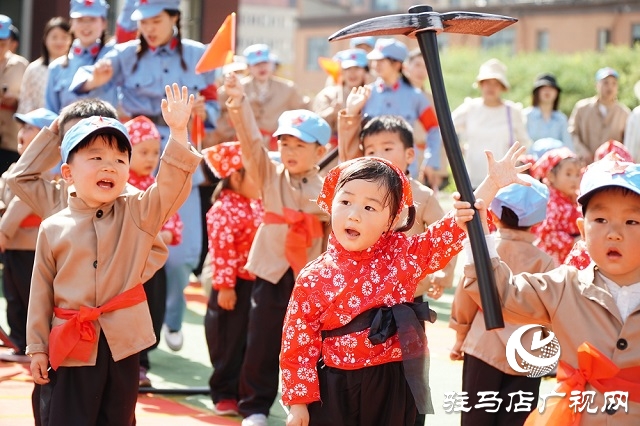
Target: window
[
  {"x": 604, "y": 38},
  {"x": 504, "y": 38},
  {"x": 542, "y": 41},
  {"x": 316, "y": 47},
  {"x": 385, "y": 5},
  {"x": 635, "y": 34}
]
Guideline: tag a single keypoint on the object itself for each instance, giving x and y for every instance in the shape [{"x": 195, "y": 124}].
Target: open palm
[{"x": 176, "y": 108}]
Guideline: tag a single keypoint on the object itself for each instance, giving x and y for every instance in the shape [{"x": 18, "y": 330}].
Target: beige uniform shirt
[
  {"x": 86, "y": 256},
  {"x": 517, "y": 250},
  {"x": 590, "y": 129},
  {"x": 15, "y": 211},
  {"x": 279, "y": 189},
  {"x": 280, "y": 96},
  {"x": 12, "y": 69},
  {"x": 577, "y": 306}
]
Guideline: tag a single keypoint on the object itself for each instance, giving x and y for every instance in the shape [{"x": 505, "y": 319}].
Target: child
[
  {"x": 593, "y": 312},
  {"x": 391, "y": 137},
  {"x": 145, "y": 154},
  {"x": 516, "y": 209},
  {"x": 91, "y": 261},
  {"x": 292, "y": 233},
  {"x": 560, "y": 170},
  {"x": 369, "y": 264},
  {"x": 613, "y": 146},
  {"x": 18, "y": 234},
  {"x": 232, "y": 223}
]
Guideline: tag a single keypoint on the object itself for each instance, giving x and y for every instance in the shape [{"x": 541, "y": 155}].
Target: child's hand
[
  {"x": 464, "y": 213},
  {"x": 435, "y": 291},
  {"x": 227, "y": 298},
  {"x": 39, "y": 368},
  {"x": 176, "y": 109},
  {"x": 456, "y": 353},
  {"x": 298, "y": 415},
  {"x": 54, "y": 127},
  {"x": 234, "y": 89},
  {"x": 357, "y": 99},
  {"x": 505, "y": 171}
]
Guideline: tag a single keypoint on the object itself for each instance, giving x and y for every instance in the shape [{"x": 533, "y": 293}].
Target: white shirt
[{"x": 627, "y": 297}]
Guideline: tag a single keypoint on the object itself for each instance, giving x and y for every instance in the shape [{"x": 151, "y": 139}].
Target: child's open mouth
[
  {"x": 352, "y": 233},
  {"x": 613, "y": 253},
  {"x": 105, "y": 184}
]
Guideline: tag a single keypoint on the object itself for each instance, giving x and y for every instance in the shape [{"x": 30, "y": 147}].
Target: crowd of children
[{"x": 317, "y": 277}]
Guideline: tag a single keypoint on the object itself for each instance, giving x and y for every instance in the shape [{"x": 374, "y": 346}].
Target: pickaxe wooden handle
[{"x": 424, "y": 24}]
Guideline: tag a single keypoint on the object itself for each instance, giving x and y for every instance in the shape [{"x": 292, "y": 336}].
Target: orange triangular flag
[{"x": 222, "y": 47}]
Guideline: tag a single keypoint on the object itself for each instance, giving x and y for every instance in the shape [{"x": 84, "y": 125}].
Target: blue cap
[
  {"x": 304, "y": 124},
  {"x": 96, "y": 8},
  {"x": 39, "y": 118},
  {"x": 351, "y": 58},
  {"x": 529, "y": 203},
  {"x": 90, "y": 127},
  {"x": 357, "y": 41},
  {"x": 605, "y": 72},
  {"x": 389, "y": 48},
  {"x": 539, "y": 147},
  {"x": 5, "y": 27},
  {"x": 150, "y": 8},
  {"x": 257, "y": 53},
  {"x": 610, "y": 171}
]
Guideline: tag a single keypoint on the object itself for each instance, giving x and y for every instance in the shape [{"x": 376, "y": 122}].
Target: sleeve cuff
[{"x": 491, "y": 246}]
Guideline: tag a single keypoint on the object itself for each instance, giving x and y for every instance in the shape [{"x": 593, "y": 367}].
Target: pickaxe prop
[{"x": 424, "y": 24}]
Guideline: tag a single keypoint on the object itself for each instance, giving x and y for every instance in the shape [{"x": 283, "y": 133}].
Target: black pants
[
  {"x": 226, "y": 333},
  {"x": 16, "y": 285},
  {"x": 104, "y": 394},
  {"x": 156, "y": 291},
  {"x": 478, "y": 376},
  {"x": 377, "y": 395},
  {"x": 259, "y": 377}
]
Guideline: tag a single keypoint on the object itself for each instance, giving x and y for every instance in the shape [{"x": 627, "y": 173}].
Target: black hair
[
  {"x": 85, "y": 108},
  {"x": 555, "y": 169},
  {"x": 224, "y": 183},
  {"x": 378, "y": 172},
  {"x": 53, "y": 23},
  {"x": 611, "y": 188},
  {"x": 509, "y": 219},
  {"x": 535, "y": 98},
  {"x": 389, "y": 123},
  {"x": 144, "y": 46},
  {"x": 119, "y": 142},
  {"x": 14, "y": 33}
]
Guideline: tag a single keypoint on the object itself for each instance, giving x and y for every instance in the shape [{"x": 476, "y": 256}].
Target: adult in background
[
  {"x": 268, "y": 95},
  {"x": 543, "y": 119},
  {"x": 12, "y": 69},
  {"x": 488, "y": 122},
  {"x": 632, "y": 129},
  {"x": 600, "y": 118},
  {"x": 56, "y": 42}
]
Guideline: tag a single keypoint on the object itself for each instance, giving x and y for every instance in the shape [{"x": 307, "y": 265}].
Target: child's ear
[
  {"x": 321, "y": 150},
  {"x": 65, "y": 172},
  {"x": 580, "y": 224},
  {"x": 410, "y": 155}
]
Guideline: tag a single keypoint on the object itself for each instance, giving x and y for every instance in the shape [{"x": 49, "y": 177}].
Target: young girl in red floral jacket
[
  {"x": 145, "y": 155},
  {"x": 560, "y": 170},
  {"x": 232, "y": 222},
  {"x": 351, "y": 336}
]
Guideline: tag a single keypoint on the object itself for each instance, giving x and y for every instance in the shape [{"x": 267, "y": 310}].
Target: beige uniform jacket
[
  {"x": 517, "y": 250},
  {"x": 86, "y": 256},
  {"x": 279, "y": 189},
  {"x": 280, "y": 96},
  {"x": 12, "y": 69},
  {"x": 578, "y": 308},
  {"x": 590, "y": 129},
  {"x": 428, "y": 209},
  {"x": 15, "y": 211}
]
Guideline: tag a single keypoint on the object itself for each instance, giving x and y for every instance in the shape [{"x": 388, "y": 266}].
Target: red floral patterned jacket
[{"x": 333, "y": 289}]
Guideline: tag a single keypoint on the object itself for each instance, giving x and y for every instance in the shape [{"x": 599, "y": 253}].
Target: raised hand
[
  {"x": 357, "y": 98},
  {"x": 505, "y": 171},
  {"x": 233, "y": 88},
  {"x": 176, "y": 108}
]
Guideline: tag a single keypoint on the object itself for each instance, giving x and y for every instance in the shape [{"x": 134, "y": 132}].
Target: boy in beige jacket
[{"x": 91, "y": 260}]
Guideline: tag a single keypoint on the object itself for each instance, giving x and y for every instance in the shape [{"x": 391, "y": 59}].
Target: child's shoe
[
  {"x": 143, "y": 380},
  {"x": 226, "y": 407},
  {"x": 255, "y": 420},
  {"x": 174, "y": 339}
]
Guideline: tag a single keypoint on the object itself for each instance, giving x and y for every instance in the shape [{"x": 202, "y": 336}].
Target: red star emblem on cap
[
  {"x": 259, "y": 53},
  {"x": 296, "y": 121},
  {"x": 88, "y": 2},
  {"x": 143, "y": 1},
  {"x": 618, "y": 168}
]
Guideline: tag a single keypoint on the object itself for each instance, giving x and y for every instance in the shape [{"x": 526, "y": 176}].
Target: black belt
[{"x": 404, "y": 320}]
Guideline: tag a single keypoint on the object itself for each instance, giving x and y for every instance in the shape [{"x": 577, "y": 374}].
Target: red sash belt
[
  {"x": 303, "y": 228},
  {"x": 31, "y": 221},
  {"x": 76, "y": 337},
  {"x": 593, "y": 368}
]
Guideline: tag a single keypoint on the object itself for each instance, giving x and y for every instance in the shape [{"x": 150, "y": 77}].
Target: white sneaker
[
  {"x": 174, "y": 339},
  {"x": 255, "y": 420}
]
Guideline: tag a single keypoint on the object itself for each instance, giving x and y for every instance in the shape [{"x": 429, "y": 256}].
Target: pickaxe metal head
[{"x": 483, "y": 24}]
